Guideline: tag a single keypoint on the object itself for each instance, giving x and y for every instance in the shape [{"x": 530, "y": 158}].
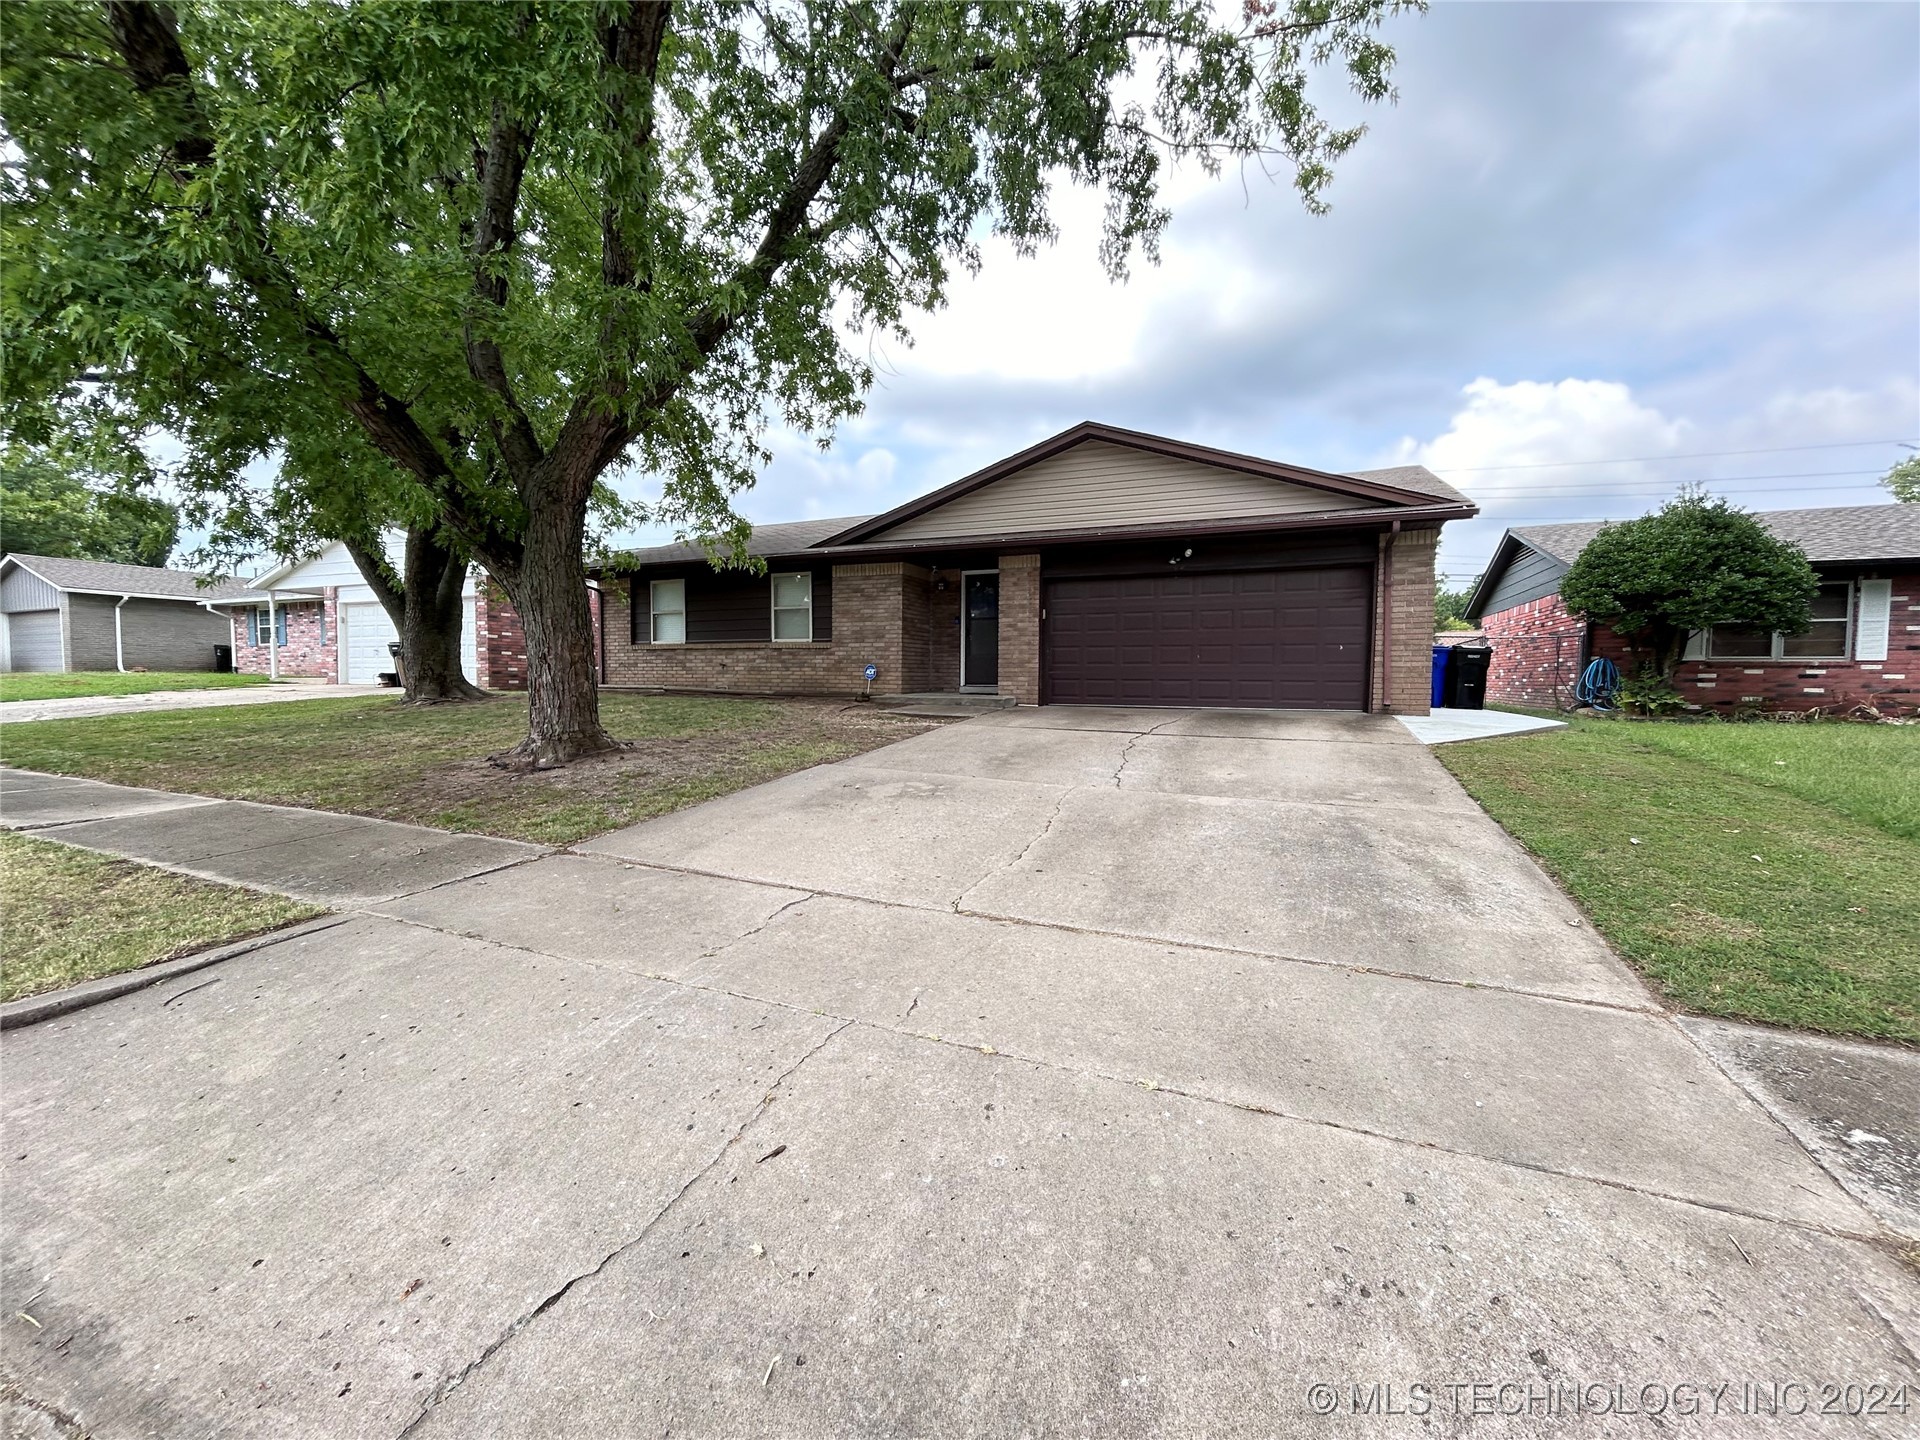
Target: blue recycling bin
[{"x": 1440, "y": 654}]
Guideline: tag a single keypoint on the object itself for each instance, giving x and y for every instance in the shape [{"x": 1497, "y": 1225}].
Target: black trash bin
[
  {"x": 223, "y": 659},
  {"x": 1467, "y": 677},
  {"x": 398, "y": 675}
]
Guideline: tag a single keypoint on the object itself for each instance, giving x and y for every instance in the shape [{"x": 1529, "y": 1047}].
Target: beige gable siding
[{"x": 1096, "y": 485}]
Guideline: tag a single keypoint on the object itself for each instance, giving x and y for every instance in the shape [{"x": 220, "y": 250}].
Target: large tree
[
  {"x": 48, "y": 508},
  {"x": 519, "y": 244},
  {"x": 1694, "y": 563}
]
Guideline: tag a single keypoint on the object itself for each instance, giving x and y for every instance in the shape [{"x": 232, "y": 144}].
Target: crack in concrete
[
  {"x": 1059, "y": 804},
  {"x": 748, "y": 934},
  {"x": 449, "y": 1386},
  {"x": 1200, "y": 946},
  {"x": 1198, "y": 1096},
  {"x": 1126, "y": 751},
  {"x": 65, "y": 1423}
]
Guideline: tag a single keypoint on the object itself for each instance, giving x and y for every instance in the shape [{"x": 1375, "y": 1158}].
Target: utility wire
[
  {"x": 1669, "y": 482},
  {"x": 1695, "y": 455}
]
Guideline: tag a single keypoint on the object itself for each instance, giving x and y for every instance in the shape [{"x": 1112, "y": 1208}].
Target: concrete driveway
[
  {"x": 87, "y": 707},
  {"x": 1065, "y": 1072}
]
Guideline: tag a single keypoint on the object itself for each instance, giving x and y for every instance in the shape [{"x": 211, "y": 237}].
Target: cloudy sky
[{"x": 1587, "y": 232}]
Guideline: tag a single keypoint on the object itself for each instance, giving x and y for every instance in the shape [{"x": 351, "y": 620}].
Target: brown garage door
[{"x": 1288, "y": 639}]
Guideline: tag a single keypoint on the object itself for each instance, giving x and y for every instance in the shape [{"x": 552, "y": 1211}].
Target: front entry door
[{"x": 980, "y": 642}]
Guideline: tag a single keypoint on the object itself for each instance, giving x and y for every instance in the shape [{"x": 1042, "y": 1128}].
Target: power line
[
  {"x": 1695, "y": 455},
  {"x": 1670, "y": 482}
]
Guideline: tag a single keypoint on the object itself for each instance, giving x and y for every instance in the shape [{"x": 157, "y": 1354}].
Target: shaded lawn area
[
  {"x": 1780, "y": 893},
  {"x": 79, "y": 684},
  {"x": 427, "y": 765},
  {"x": 73, "y": 915}
]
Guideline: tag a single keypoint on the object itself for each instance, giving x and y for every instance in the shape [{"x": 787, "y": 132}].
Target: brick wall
[
  {"x": 313, "y": 632},
  {"x": 500, "y": 644},
  {"x": 1410, "y": 554},
  {"x": 1020, "y": 628},
  {"x": 880, "y": 617},
  {"x": 1524, "y": 671},
  {"x": 1891, "y": 685},
  {"x": 943, "y": 631},
  {"x": 1537, "y": 654}
]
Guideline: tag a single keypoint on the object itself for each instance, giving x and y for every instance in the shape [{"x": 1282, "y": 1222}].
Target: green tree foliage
[
  {"x": 1450, "y": 609},
  {"x": 1903, "y": 480},
  {"x": 1695, "y": 562},
  {"x": 514, "y": 245},
  {"x": 46, "y": 510}
]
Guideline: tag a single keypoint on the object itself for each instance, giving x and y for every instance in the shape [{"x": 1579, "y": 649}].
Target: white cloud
[{"x": 1538, "y": 423}]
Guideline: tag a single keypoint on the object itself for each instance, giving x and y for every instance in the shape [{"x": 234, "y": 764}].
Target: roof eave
[{"x": 1138, "y": 440}]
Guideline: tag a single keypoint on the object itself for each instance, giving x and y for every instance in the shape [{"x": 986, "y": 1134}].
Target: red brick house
[
  {"x": 1101, "y": 566},
  {"x": 1862, "y": 648}
]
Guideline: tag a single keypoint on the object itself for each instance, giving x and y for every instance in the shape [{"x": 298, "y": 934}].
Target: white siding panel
[
  {"x": 24, "y": 590},
  {"x": 1096, "y": 485}
]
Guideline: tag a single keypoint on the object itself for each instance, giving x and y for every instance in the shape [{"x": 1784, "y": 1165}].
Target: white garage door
[
  {"x": 33, "y": 640},
  {"x": 369, "y": 632}
]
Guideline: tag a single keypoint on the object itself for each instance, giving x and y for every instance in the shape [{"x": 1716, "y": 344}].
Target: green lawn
[
  {"x": 73, "y": 915},
  {"x": 427, "y": 765},
  {"x": 1781, "y": 892},
  {"x": 82, "y": 683}
]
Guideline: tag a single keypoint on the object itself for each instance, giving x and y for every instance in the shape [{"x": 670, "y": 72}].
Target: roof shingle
[
  {"x": 1832, "y": 534},
  {"x": 110, "y": 577}
]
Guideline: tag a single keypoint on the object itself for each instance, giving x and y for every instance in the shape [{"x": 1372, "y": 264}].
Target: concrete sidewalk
[
  {"x": 20, "y": 712},
  {"x": 317, "y": 855},
  {"x": 1060, "y": 1072}
]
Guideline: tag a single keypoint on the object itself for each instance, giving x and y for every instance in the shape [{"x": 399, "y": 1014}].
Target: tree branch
[
  {"x": 501, "y": 169},
  {"x": 632, "y": 59},
  {"x": 149, "y": 43}
]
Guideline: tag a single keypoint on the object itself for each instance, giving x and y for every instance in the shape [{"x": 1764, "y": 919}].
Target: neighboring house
[
  {"x": 1102, "y": 566},
  {"x": 317, "y": 617},
  {"x": 1862, "y": 648},
  {"x": 58, "y": 614}
]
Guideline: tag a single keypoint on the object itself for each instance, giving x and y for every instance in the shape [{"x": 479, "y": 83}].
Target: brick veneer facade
[
  {"x": 313, "y": 634},
  {"x": 1020, "y": 628},
  {"x": 1538, "y": 651},
  {"x": 1411, "y": 555},
  {"x": 1522, "y": 671},
  {"x": 881, "y": 617}
]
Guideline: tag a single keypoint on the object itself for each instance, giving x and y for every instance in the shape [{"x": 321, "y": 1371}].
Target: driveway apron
[{"x": 1063, "y": 1072}]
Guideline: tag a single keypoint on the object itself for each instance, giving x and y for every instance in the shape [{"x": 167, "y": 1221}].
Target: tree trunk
[
  {"x": 428, "y": 610},
  {"x": 435, "y": 613},
  {"x": 549, "y": 590}
]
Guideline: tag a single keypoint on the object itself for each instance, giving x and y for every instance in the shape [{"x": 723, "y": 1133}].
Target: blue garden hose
[{"x": 1599, "y": 683}]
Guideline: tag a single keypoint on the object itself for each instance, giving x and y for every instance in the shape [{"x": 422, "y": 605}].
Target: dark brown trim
[{"x": 1137, "y": 440}]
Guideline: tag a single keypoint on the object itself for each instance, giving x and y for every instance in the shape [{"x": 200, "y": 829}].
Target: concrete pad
[
  {"x": 366, "y": 861},
  {"x": 295, "y": 1200},
  {"x": 953, "y": 1244},
  {"x": 1505, "y": 1076},
  {"x": 1129, "y": 719},
  {"x": 56, "y": 801},
  {"x": 1431, "y": 892},
  {"x": 209, "y": 830},
  {"x": 1350, "y": 727},
  {"x": 989, "y": 752},
  {"x": 1320, "y": 772},
  {"x": 23, "y": 782},
  {"x": 641, "y": 920},
  {"x": 1445, "y": 727},
  {"x": 899, "y": 835},
  {"x": 1855, "y": 1106}
]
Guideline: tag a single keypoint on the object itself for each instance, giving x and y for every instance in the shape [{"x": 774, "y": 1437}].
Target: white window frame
[
  {"x": 774, "y": 607},
  {"x": 1777, "y": 654},
  {"x": 654, "y": 612}
]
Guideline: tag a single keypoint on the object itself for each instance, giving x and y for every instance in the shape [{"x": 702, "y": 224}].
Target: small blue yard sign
[{"x": 873, "y": 672}]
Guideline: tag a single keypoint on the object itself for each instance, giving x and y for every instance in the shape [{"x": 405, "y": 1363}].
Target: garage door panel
[{"x": 1282, "y": 638}]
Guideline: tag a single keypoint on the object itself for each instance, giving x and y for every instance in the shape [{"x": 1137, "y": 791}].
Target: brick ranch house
[
  {"x": 317, "y": 618},
  {"x": 1862, "y": 648},
  {"x": 1101, "y": 566}
]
